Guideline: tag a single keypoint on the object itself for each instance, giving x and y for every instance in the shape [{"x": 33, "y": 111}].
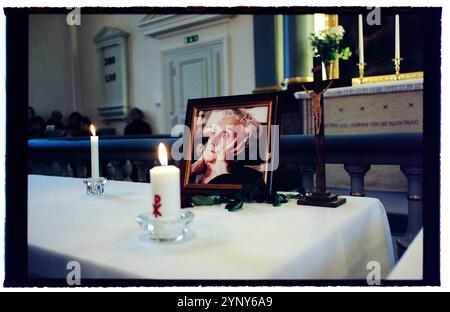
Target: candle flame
[
  {"x": 162, "y": 154},
  {"x": 92, "y": 128}
]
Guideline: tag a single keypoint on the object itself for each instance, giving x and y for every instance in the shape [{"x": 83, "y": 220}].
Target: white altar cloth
[
  {"x": 410, "y": 265},
  {"x": 258, "y": 242}
]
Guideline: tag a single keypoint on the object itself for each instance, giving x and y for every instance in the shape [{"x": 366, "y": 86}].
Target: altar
[
  {"x": 373, "y": 108},
  {"x": 385, "y": 107},
  {"x": 259, "y": 242}
]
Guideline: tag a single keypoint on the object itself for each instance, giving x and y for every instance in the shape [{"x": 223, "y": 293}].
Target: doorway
[{"x": 190, "y": 73}]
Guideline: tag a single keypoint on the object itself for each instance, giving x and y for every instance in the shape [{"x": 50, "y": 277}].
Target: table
[
  {"x": 258, "y": 242},
  {"x": 410, "y": 266}
]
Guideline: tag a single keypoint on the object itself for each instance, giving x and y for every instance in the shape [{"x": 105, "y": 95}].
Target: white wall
[
  {"x": 50, "y": 61},
  {"x": 50, "y": 73},
  {"x": 145, "y": 68},
  {"x": 89, "y": 61},
  {"x": 49, "y": 66}
]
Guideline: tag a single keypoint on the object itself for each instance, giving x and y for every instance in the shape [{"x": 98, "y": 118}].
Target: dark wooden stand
[{"x": 320, "y": 196}]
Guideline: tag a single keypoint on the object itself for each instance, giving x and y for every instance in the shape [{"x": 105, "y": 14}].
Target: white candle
[
  {"x": 361, "y": 39},
  {"x": 165, "y": 186},
  {"x": 397, "y": 36},
  {"x": 94, "y": 154}
]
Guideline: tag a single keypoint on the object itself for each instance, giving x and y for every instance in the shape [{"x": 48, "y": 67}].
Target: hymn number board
[
  {"x": 108, "y": 62},
  {"x": 112, "y": 47}
]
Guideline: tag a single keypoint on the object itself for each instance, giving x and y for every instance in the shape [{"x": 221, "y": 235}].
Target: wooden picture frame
[{"x": 220, "y": 109}]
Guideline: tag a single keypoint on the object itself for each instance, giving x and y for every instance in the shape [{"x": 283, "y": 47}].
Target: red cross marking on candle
[{"x": 156, "y": 206}]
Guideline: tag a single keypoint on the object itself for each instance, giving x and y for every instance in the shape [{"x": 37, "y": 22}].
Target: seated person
[
  {"x": 218, "y": 163},
  {"x": 74, "y": 124},
  {"x": 85, "y": 124},
  {"x": 137, "y": 125},
  {"x": 37, "y": 128},
  {"x": 55, "y": 120}
]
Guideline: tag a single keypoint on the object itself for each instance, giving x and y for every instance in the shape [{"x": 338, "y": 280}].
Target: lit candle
[
  {"x": 361, "y": 40},
  {"x": 397, "y": 36},
  {"x": 94, "y": 154},
  {"x": 165, "y": 185}
]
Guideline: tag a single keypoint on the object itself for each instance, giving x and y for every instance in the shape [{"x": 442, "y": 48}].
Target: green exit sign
[{"x": 191, "y": 39}]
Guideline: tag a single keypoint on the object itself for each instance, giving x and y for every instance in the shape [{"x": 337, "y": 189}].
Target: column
[
  {"x": 142, "y": 167},
  {"x": 357, "y": 174},
  {"x": 279, "y": 49},
  {"x": 264, "y": 51},
  {"x": 415, "y": 204},
  {"x": 75, "y": 68},
  {"x": 298, "y": 54}
]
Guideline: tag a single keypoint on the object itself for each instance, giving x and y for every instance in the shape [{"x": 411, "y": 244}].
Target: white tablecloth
[
  {"x": 258, "y": 242},
  {"x": 410, "y": 266}
]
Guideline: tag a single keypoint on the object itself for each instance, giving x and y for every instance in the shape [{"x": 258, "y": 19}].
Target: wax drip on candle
[{"x": 162, "y": 154}]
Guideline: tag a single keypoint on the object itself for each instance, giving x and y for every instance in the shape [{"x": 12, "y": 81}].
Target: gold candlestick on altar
[
  {"x": 397, "y": 62},
  {"x": 361, "y": 67}
]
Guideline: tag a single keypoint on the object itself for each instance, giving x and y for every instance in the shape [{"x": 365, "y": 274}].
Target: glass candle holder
[
  {"x": 95, "y": 186},
  {"x": 166, "y": 231}
]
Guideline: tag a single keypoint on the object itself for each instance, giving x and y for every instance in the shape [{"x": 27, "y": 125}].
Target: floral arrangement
[{"x": 328, "y": 44}]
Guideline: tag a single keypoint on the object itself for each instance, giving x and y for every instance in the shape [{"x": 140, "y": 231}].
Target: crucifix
[{"x": 320, "y": 196}]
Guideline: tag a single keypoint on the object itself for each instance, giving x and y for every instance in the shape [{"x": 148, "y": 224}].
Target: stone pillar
[
  {"x": 356, "y": 173},
  {"x": 264, "y": 52},
  {"x": 415, "y": 203},
  {"x": 279, "y": 49},
  {"x": 142, "y": 170},
  {"x": 298, "y": 54},
  {"x": 306, "y": 172}
]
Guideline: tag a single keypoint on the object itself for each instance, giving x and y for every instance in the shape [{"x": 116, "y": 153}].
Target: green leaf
[
  {"x": 256, "y": 191},
  {"x": 234, "y": 205},
  {"x": 279, "y": 199},
  {"x": 199, "y": 200},
  {"x": 283, "y": 198},
  {"x": 216, "y": 200},
  {"x": 224, "y": 199},
  {"x": 276, "y": 200},
  {"x": 301, "y": 191},
  {"x": 346, "y": 53},
  {"x": 294, "y": 196}
]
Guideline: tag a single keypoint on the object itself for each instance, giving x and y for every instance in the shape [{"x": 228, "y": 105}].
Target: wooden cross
[{"x": 316, "y": 89}]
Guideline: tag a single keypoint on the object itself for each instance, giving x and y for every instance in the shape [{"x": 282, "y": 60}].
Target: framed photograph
[{"x": 230, "y": 141}]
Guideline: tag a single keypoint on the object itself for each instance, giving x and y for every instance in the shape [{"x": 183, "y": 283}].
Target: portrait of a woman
[{"x": 222, "y": 158}]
